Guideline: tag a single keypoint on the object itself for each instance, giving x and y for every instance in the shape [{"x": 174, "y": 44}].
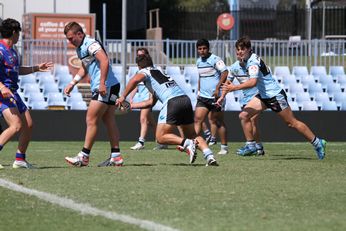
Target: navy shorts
[{"x": 177, "y": 111}]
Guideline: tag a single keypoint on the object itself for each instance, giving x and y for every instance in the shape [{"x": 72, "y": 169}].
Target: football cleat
[
  {"x": 1, "y": 167},
  {"x": 321, "y": 149},
  {"x": 79, "y": 161},
  {"x": 21, "y": 164},
  {"x": 223, "y": 152},
  {"x": 212, "y": 141},
  {"x": 137, "y": 146},
  {"x": 161, "y": 146},
  {"x": 247, "y": 151},
  {"x": 211, "y": 161},
  {"x": 117, "y": 161},
  {"x": 191, "y": 151},
  {"x": 260, "y": 151}
]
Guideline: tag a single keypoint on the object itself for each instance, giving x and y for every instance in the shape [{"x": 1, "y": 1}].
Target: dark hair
[
  {"x": 74, "y": 27},
  {"x": 243, "y": 42},
  {"x": 202, "y": 42},
  {"x": 8, "y": 26},
  {"x": 144, "y": 61},
  {"x": 145, "y": 50}
]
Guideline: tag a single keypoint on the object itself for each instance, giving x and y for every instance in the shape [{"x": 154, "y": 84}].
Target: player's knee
[{"x": 244, "y": 116}]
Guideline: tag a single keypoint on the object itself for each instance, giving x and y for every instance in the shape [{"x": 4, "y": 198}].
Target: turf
[{"x": 287, "y": 189}]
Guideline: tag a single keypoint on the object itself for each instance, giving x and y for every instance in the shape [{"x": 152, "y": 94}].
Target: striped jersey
[
  {"x": 9, "y": 66},
  {"x": 209, "y": 70}
]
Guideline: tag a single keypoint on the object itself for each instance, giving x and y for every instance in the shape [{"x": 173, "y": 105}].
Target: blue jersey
[
  {"x": 161, "y": 86},
  {"x": 209, "y": 70},
  {"x": 240, "y": 73},
  {"x": 266, "y": 84},
  {"x": 9, "y": 66},
  {"x": 86, "y": 53}
]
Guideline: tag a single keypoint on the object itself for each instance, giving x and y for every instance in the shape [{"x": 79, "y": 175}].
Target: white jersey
[{"x": 161, "y": 86}]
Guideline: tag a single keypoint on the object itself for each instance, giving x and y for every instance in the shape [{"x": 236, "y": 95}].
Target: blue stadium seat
[
  {"x": 29, "y": 88},
  {"x": 289, "y": 79},
  {"x": 333, "y": 88},
  {"x": 173, "y": 70},
  {"x": 39, "y": 105},
  {"x": 307, "y": 80},
  {"x": 282, "y": 71},
  {"x": 50, "y": 88},
  {"x": 232, "y": 106},
  {"x": 321, "y": 97},
  {"x": 318, "y": 71},
  {"x": 191, "y": 74},
  {"x": 63, "y": 81},
  {"x": 339, "y": 98},
  {"x": 343, "y": 106},
  {"x": 336, "y": 71},
  {"x": 325, "y": 80},
  {"x": 55, "y": 99},
  {"x": 314, "y": 88},
  {"x": 118, "y": 71},
  {"x": 74, "y": 97},
  {"x": 24, "y": 79},
  {"x": 61, "y": 69},
  {"x": 302, "y": 97},
  {"x": 294, "y": 106},
  {"x": 35, "y": 97},
  {"x": 341, "y": 79},
  {"x": 131, "y": 72},
  {"x": 309, "y": 106},
  {"x": 295, "y": 88},
  {"x": 300, "y": 71},
  {"x": 78, "y": 105},
  {"x": 329, "y": 106}
]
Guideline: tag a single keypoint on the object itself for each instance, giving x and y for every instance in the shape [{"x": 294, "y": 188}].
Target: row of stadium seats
[{"x": 43, "y": 90}]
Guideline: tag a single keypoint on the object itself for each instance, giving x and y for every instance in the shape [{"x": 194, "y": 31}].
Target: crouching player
[{"x": 176, "y": 111}]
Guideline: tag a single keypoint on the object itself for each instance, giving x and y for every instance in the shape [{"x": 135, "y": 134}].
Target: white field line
[{"x": 84, "y": 208}]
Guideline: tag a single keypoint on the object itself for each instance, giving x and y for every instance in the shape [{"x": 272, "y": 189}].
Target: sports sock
[
  {"x": 115, "y": 152},
  {"x": 207, "y": 152},
  {"x": 224, "y": 147},
  {"x": 259, "y": 146},
  {"x": 20, "y": 156},
  {"x": 315, "y": 141},
  {"x": 141, "y": 140},
  {"x": 86, "y": 152},
  {"x": 251, "y": 143},
  {"x": 206, "y": 133}
]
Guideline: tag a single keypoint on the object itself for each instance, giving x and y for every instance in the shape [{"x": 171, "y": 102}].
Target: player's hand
[
  {"x": 68, "y": 89},
  {"x": 219, "y": 101},
  {"x": 102, "y": 89},
  {"x": 47, "y": 66},
  {"x": 6, "y": 93},
  {"x": 227, "y": 87},
  {"x": 120, "y": 101}
]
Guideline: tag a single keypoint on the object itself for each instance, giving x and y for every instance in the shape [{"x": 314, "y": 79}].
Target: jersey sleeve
[
  {"x": 220, "y": 65},
  {"x": 94, "y": 48},
  {"x": 253, "y": 68}
]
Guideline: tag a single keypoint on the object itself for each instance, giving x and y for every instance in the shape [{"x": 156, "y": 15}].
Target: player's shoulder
[{"x": 253, "y": 60}]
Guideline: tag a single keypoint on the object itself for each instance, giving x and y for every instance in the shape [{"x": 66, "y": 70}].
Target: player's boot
[
  {"x": 212, "y": 141},
  {"x": 117, "y": 161},
  {"x": 191, "y": 150},
  {"x": 211, "y": 161},
  {"x": 160, "y": 147},
  {"x": 260, "y": 150},
  {"x": 22, "y": 164},
  {"x": 137, "y": 146},
  {"x": 79, "y": 161},
  {"x": 247, "y": 150},
  {"x": 1, "y": 167},
  {"x": 321, "y": 149}
]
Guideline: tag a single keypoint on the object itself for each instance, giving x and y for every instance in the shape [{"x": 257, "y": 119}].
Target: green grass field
[{"x": 287, "y": 189}]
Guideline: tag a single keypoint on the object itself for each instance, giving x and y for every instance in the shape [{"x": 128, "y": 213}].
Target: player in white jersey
[
  {"x": 176, "y": 111},
  {"x": 238, "y": 71},
  {"x": 105, "y": 89},
  {"x": 270, "y": 95},
  {"x": 141, "y": 93},
  {"x": 212, "y": 73}
]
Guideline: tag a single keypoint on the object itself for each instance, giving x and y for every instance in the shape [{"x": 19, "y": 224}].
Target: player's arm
[
  {"x": 146, "y": 103},
  {"x": 132, "y": 84},
  {"x": 133, "y": 93},
  {"x": 104, "y": 66},
  {"x": 220, "y": 66},
  {"x": 46, "y": 66},
  {"x": 78, "y": 77}
]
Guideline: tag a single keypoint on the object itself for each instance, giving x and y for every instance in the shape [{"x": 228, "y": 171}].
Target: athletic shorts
[
  {"x": 13, "y": 101},
  {"x": 276, "y": 103},
  {"x": 177, "y": 111},
  {"x": 110, "y": 97},
  {"x": 209, "y": 104}
]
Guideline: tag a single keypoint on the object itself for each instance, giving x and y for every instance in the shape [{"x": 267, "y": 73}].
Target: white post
[{"x": 123, "y": 43}]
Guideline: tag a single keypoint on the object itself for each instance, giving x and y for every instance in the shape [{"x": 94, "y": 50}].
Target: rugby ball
[{"x": 124, "y": 108}]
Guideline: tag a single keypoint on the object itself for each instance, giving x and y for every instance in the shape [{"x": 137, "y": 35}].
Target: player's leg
[
  {"x": 213, "y": 131},
  {"x": 217, "y": 120},
  {"x": 23, "y": 142},
  {"x": 200, "y": 115},
  {"x": 256, "y": 134},
  {"x": 115, "y": 158},
  {"x": 144, "y": 121},
  {"x": 289, "y": 118},
  {"x": 95, "y": 112},
  {"x": 253, "y": 107}
]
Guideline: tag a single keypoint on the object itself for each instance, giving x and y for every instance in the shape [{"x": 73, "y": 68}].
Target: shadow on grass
[{"x": 285, "y": 157}]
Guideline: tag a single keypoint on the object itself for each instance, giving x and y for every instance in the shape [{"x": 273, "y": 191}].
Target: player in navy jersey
[
  {"x": 105, "y": 89},
  {"x": 12, "y": 108},
  {"x": 176, "y": 111},
  {"x": 212, "y": 73},
  {"x": 270, "y": 95}
]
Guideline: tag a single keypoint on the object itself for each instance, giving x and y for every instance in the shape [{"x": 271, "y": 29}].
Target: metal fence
[{"x": 183, "y": 52}]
